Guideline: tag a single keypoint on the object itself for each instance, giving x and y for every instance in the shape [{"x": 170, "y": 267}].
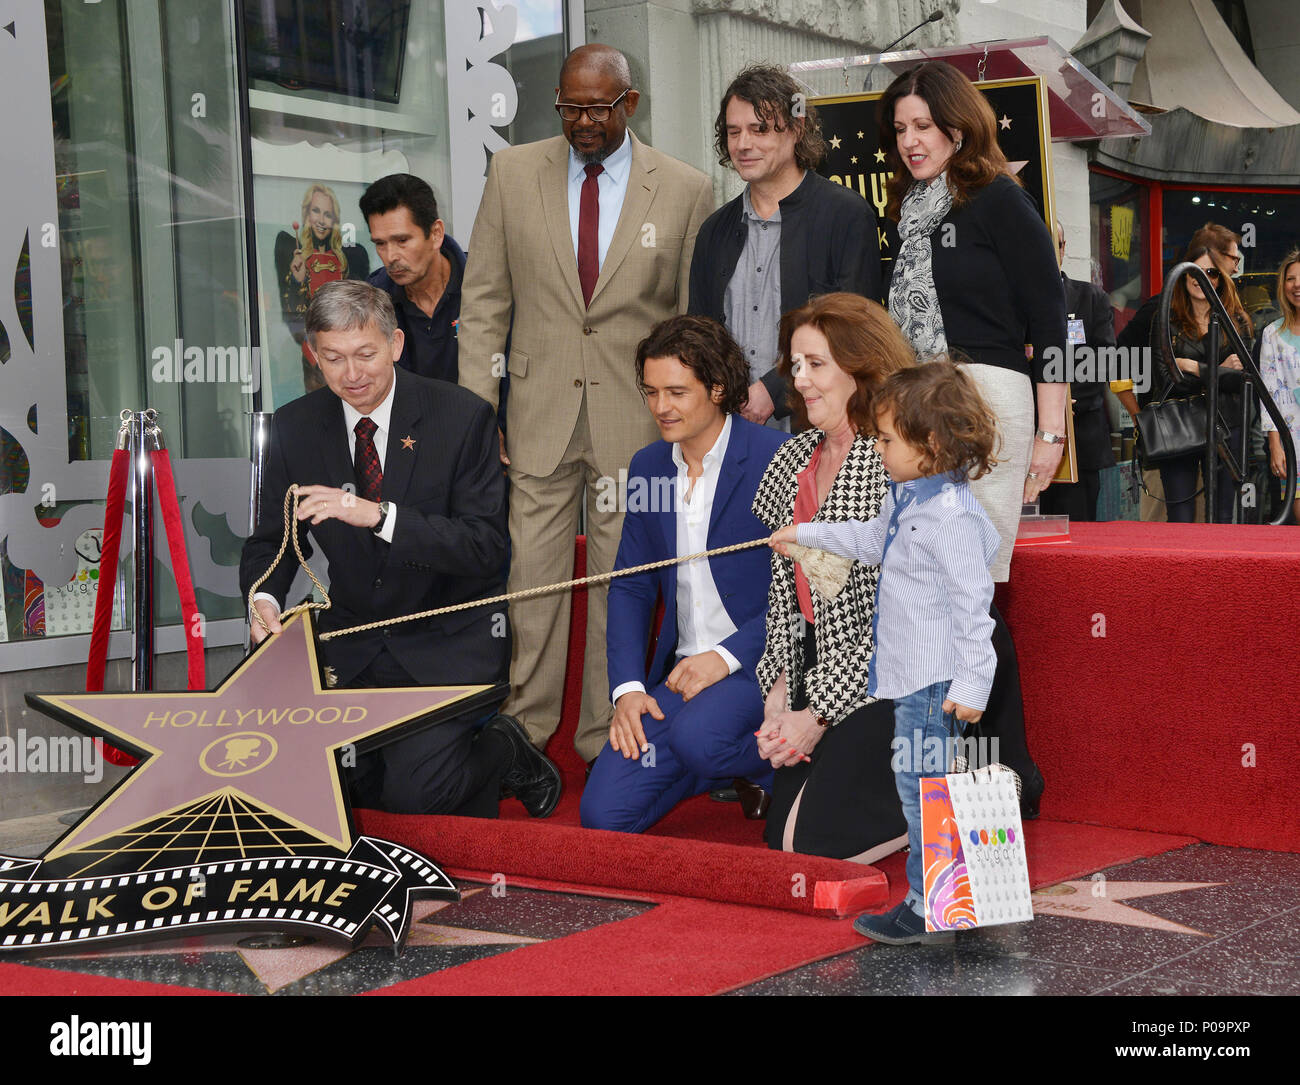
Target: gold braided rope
[{"x": 291, "y": 513}]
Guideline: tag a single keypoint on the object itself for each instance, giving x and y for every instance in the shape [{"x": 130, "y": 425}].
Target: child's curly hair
[{"x": 938, "y": 410}]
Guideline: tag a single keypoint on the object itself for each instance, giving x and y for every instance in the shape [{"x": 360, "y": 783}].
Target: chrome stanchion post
[
  {"x": 259, "y": 431},
  {"x": 145, "y": 437},
  {"x": 260, "y": 441}
]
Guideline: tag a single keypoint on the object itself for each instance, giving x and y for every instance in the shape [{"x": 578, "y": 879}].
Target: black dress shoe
[
  {"x": 724, "y": 794},
  {"x": 754, "y": 801},
  {"x": 1030, "y": 795},
  {"x": 531, "y": 777}
]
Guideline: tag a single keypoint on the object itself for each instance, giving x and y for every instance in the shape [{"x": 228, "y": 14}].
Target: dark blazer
[
  {"x": 650, "y": 534},
  {"x": 829, "y": 243},
  {"x": 995, "y": 273},
  {"x": 1085, "y": 302},
  {"x": 449, "y": 540}
]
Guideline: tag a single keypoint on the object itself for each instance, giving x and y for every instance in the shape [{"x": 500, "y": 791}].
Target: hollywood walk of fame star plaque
[{"x": 237, "y": 816}]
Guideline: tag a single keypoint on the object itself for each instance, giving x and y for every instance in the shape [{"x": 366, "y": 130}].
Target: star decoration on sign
[
  {"x": 880, "y": 154},
  {"x": 853, "y": 160},
  {"x": 268, "y": 737},
  {"x": 1005, "y": 122},
  {"x": 1076, "y": 900},
  {"x": 408, "y": 442},
  {"x": 859, "y": 135},
  {"x": 835, "y": 143}
]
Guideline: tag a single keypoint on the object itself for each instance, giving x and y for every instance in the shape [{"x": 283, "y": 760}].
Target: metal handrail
[{"x": 1164, "y": 339}]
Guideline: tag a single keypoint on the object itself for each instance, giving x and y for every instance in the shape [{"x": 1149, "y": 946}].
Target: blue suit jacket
[{"x": 650, "y": 534}]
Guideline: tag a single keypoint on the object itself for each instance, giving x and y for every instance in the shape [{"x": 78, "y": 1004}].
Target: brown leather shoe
[{"x": 754, "y": 801}]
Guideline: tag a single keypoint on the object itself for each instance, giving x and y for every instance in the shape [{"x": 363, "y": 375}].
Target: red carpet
[
  {"x": 1159, "y": 672},
  {"x": 729, "y": 873},
  {"x": 1158, "y": 699},
  {"x": 682, "y": 946},
  {"x": 698, "y": 947}
]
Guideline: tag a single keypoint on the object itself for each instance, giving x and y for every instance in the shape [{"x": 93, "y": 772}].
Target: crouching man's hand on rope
[
  {"x": 317, "y": 503},
  {"x": 270, "y": 614}
]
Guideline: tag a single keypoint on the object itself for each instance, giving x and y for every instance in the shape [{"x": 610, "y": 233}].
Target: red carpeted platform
[
  {"x": 1159, "y": 664},
  {"x": 1134, "y": 711}
]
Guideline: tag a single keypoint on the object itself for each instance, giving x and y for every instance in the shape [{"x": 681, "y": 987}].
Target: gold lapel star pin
[{"x": 408, "y": 442}]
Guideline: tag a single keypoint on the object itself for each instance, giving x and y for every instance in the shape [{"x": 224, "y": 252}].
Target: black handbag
[{"x": 1171, "y": 428}]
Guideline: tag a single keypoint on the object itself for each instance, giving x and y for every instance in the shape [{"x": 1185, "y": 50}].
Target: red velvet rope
[
  {"x": 113, "y": 514},
  {"x": 171, "y": 514}
]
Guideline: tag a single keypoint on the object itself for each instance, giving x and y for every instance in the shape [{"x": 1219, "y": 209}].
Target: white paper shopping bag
[{"x": 986, "y": 810}]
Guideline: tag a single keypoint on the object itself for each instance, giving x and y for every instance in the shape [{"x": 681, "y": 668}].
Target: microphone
[{"x": 934, "y": 17}]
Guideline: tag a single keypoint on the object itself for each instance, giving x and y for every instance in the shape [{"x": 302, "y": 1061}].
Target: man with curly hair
[
  {"x": 790, "y": 235},
  {"x": 685, "y": 724}
]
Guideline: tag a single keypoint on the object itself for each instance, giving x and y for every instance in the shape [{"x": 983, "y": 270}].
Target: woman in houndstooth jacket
[{"x": 835, "y": 793}]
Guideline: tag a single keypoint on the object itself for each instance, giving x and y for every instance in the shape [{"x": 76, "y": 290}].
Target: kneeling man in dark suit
[
  {"x": 686, "y": 724},
  {"x": 400, "y": 486}
]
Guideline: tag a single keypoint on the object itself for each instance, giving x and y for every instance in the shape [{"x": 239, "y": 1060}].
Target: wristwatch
[
  {"x": 385, "y": 507},
  {"x": 1049, "y": 438}
]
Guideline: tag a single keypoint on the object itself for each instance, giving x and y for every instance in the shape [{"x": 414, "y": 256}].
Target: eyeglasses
[
  {"x": 1211, "y": 272},
  {"x": 597, "y": 114}
]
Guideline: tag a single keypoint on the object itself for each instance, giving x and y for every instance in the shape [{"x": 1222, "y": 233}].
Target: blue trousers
[
  {"x": 699, "y": 744},
  {"x": 921, "y": 729}
]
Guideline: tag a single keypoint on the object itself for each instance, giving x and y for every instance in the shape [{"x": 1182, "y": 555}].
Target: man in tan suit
[{"x": 582, "y": 244}]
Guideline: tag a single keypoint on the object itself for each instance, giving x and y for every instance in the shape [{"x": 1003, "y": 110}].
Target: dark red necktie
[
  {"x": 589, "y": 232},
  {"x": 369, "y": 475}
]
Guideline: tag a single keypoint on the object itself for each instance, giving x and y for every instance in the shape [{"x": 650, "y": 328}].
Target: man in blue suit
[{"x": 686, "y": 723}]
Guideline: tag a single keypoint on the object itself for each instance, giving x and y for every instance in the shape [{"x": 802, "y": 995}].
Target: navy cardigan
[{"x": 997, "y": 279}]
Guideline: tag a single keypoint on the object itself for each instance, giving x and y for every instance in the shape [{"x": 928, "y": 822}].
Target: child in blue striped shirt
[{"x": 933, "y": 651}]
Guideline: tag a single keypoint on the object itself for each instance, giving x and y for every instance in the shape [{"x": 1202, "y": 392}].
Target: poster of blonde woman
[{"x": 310, "y": 256}]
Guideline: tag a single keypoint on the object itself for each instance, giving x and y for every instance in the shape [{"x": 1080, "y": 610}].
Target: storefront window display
[{"x": 137, "y": 280}]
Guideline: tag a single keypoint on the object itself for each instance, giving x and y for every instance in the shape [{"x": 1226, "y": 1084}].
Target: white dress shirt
[
  {"x": 702, "y": 621},
  {"x": 381, "y": 416},
  {"x": 612, "y": 185}
]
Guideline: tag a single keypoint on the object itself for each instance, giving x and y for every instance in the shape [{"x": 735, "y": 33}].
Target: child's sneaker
[{"x": 900, "y": 926}]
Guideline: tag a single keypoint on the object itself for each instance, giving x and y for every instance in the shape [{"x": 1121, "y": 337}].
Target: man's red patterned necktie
[
  {"x": 369, "y": 476},
  {"x": 589, "y": 232}
]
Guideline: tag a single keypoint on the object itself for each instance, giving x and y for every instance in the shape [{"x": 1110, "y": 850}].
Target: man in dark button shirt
[
  {"x": 422, "y": 272},
  {"x": 791, "y": 234}
]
